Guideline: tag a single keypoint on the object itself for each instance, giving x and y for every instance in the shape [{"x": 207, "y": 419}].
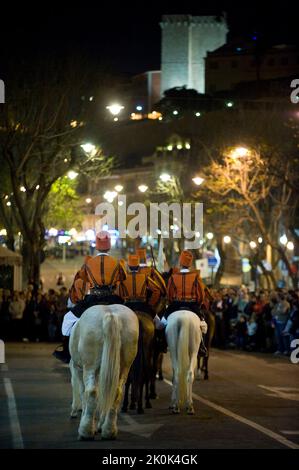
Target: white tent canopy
[{"x": 10, "y": 258}]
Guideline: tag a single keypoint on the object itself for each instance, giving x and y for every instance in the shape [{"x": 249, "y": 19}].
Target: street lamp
[
  {"x": 290, "y": 246},
  {"x": 110, "y": 195},
  {"x": 165, "y": 177},
  {"x": 239, "y": 152},
  {"x": 118, "y": 188},
  {"x": 115, "y": 108},
  {"x": 252, "y": 245},
  {"x": 227, "y": 239},
  {"x": 143, "y": 188},
  {"x": 53, "y": 232},
  {"x": 88, "y": 148},
  {"x": 260, "y": 240},
  {"x": 72, "y": 175},
  {"x": 88, "y": 200},
  {"x": 210, "y": 235},
  {"x": 283, "y": 239},
  {"x": 197, "y": 180}
]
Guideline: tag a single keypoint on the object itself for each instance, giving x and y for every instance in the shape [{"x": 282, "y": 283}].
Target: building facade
[
  {"x": 186, "y": 40},
  {"x": 237, "y": 63}
]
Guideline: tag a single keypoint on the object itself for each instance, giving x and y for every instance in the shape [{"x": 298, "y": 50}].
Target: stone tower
[{"x": 186, "y": 40}]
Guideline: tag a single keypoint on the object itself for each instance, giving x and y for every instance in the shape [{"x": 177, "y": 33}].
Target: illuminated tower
[{"x": 186, "y": 40}]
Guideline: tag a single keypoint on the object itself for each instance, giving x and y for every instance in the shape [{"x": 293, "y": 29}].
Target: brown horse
[
  {"x": 141, "y": 370},
  {"x": 202, "y": 362}
]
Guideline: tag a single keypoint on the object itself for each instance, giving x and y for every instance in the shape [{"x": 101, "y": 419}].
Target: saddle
[{"x": 98, "y": 296}]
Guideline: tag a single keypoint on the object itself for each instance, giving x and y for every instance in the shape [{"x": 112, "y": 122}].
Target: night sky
[{"x": 126, "y": 35}]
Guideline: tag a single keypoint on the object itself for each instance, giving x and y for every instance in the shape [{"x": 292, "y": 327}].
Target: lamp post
[{"x": 115, "y": 110}]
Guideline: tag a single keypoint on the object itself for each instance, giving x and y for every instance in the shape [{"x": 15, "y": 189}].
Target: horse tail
[
  {"x": 183, "y": 360},
  {"x": 110, "y": 363}
]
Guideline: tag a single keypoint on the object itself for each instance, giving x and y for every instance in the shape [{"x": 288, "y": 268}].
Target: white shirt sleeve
[{"x": 70, "y": 303}]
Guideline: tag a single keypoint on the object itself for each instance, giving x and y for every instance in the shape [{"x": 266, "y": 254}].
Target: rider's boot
[{"x": 64, "y": 354}]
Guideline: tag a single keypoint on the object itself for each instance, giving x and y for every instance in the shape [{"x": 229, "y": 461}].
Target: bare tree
[{"x": 42, "y": 126}]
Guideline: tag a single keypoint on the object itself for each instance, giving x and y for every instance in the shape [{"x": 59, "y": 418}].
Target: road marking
[
  {"x": 13, "y": 416},
  {"x": 144, "y": 430},
  {"x": 252, "y": 424},
  {"x": 288, "y": 393},
  {"x": 291, "y": 433}
]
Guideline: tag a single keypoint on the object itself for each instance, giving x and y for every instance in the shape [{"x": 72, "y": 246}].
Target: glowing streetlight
[
  {"x": 290, "y": 246},
  {"x": 197, "y": 114},
  {"x": 210, "y": 235},
  {"x": 88, "y": 148},
  {"x": 227, "y": 239},
  {"x": 169, "y": 147},
  {"x": 118, "y": 188},
  {"x": 229, "y": 104},
  {"x": 179, "y": 146},
  {"x": 23, "y": 189},
  {"x": 143, "y": 188},
  {"x": 197, "y": 180},
  {"x": 175, "y": 112},
  {"x": 72, "y": 175},
  {"x": 165, "y": 177},
  {"x": 8, "y": 203},
  {"x": 187, "y": 146},
  {"x": 283, "y": 239},
  {"x": 239, "y": 152},
  {"x": 3, "y": 232},
  {"x": 88, "y": 200},
  {"x": 252, "y": 245},
  {"x": 110, "y": 195},
  {"x": 139, "y": 108},
  {"x": 260, "y": 240},
  {"x": 53, "y": 232},
  {"x": 115, "y": 108}
]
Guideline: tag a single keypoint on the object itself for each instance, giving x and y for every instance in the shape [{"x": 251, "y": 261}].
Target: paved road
[{"x": 251, "y": 401}]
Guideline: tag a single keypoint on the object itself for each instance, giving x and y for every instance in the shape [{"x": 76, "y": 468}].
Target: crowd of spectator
[
  {"x": 253, "y": 321},
  {"x": 265, "y": 321},
  {"x": 32, "y": 315}
]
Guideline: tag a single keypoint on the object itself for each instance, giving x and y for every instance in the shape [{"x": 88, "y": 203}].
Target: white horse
[
  {"x": 184, "y": 333},
  {"x": 103, "y": 345}
]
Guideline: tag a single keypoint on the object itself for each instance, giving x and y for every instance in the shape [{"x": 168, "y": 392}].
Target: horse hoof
[
  {"x": 109, "y": 437},
  {"x": 85, "y": 438},
  {"x": 175, "y": 410}
]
